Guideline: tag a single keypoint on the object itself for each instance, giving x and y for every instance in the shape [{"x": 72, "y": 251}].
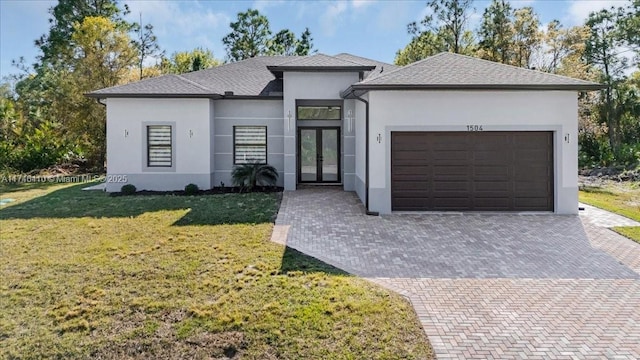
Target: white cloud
[
  {"x": 522, "y": 3},
  {"x": 187, "y": 25},
  {"x": 303, "y": 10},
  {"x": 579, "y": 10},
  {"x": 262, "y": 5},
  {"x": 330, "y": 20},
  {"x": 360, "y": 4}
]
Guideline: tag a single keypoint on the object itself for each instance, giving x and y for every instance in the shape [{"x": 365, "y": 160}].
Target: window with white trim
[
  {"x": 159, "y": 146},
  {"x": 249, "y": 144}
]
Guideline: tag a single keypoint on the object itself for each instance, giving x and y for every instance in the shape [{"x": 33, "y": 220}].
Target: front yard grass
[
  {"x": 86, "y": 275},
  {"x": 619, "y": 198}
]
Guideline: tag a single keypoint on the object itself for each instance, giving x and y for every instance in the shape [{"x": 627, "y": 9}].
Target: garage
[{"x": 472, "y": 171}]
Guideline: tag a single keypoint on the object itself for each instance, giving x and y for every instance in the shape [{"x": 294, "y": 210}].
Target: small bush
[
  {"x": 128, "y": 189},
  {"x": 191, "y": 189}
]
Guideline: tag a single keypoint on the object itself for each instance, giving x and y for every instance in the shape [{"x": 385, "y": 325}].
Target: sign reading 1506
[{"x": 474, "y": 127}]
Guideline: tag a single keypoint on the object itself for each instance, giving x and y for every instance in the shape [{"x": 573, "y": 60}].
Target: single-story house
[{"x": 448, "y": 133}]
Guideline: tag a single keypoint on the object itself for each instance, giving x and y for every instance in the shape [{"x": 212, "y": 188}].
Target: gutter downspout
[{"x": 366, "y": 165}]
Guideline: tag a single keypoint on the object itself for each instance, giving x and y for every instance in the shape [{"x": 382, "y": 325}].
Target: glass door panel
[
  {"x": 330, "y": 155},
  {"x": 308, "y": 155}
]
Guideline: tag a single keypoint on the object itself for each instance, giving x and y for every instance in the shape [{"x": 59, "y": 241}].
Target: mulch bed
[{"x": 214, "y": 191}]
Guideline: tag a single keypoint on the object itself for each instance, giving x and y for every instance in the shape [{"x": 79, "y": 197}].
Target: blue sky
[{"x": 369, "y": 28}]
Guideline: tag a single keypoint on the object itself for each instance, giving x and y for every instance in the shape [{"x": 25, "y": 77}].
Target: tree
[
  {"x": 27, "y": 143},
  {"x": 304, "y": 46},
  {"x": 9, "y": 116},
  {"x": 452, "y": 17},
  {"x": 626, "y": 109},
  {"x": 602, "y": 51},
  {"x": 103, "y": 52},
  {"x": 629, "y": 25},
  {"x": 249, "y": 36},
  {"x": 87, "y": 47},
  {"x": 420, "y": 47},
  {"x": 147, "y": 44},
  {"x": 187, "y": 61},
  {"x": 563, "y": 43},
  {"x": 445, "y": 29},
  {"x": 55, "y": 45},
  {"x": 527, "y": 36},
  {"x": 283, "y": 43},
  {"x": 103, "y": 55},
  {"x": 496, "y": 32}
]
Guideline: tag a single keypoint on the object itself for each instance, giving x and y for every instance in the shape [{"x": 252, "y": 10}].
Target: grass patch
[
  {"x": 86, "y": 275},
  {"x": 620, "y": 198},
  {"x": 632, "y": 232},
  {"x": 20, "y": 192}
]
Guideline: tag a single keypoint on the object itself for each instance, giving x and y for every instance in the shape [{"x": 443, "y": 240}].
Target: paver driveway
[{"x": 485, "y": 286}]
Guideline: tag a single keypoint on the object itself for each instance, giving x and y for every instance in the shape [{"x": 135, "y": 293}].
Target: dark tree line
[
  {"x": 45, "y": 118},
  {"x": 599, "y": 50}
]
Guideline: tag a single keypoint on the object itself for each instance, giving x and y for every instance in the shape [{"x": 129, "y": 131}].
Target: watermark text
[{"x": 62, "y": 179}]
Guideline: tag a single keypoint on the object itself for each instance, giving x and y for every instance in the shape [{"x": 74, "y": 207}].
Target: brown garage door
[{"x": 473, "y": 171}]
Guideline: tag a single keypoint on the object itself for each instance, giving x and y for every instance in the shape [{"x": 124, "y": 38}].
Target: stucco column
[{"x": 289, "y": 143}]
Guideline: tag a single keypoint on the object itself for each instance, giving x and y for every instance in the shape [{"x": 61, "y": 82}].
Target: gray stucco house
[{"x": 449, "y": 132}]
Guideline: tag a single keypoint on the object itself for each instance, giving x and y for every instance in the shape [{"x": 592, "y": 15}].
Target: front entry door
[{"x": 318, "y": 155}]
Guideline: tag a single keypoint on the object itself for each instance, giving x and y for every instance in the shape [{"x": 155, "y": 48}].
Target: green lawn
[
  {"x": 86, "y": 275},
  {"x": 620, "y": 198}
]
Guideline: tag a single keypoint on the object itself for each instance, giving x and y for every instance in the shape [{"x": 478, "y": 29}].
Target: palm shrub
[{"x": 251, "y": 175}]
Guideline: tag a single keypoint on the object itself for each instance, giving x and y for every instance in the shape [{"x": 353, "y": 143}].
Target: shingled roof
[
  {"x": 455, "y": 71},
  {"x": 261, "y": 77},
  {"x": 167, "y": 85},
  {"x": 319, "y": 62},
  {"x": 248, "y": 77},
  {"x": 381, "y": 67}
]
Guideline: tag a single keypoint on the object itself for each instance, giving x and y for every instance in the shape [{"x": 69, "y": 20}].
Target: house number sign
[{"x": 474, "y": 127}]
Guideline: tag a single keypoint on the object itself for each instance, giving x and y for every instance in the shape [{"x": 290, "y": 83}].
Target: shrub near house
[{"x": 249, "y": 176}]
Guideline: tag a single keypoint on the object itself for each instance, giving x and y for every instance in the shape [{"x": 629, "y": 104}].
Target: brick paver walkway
[
  {"x": 486, "y": 286},
  {"x": 601, "y": 218},
  {"x": 527, "y": 318}
]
